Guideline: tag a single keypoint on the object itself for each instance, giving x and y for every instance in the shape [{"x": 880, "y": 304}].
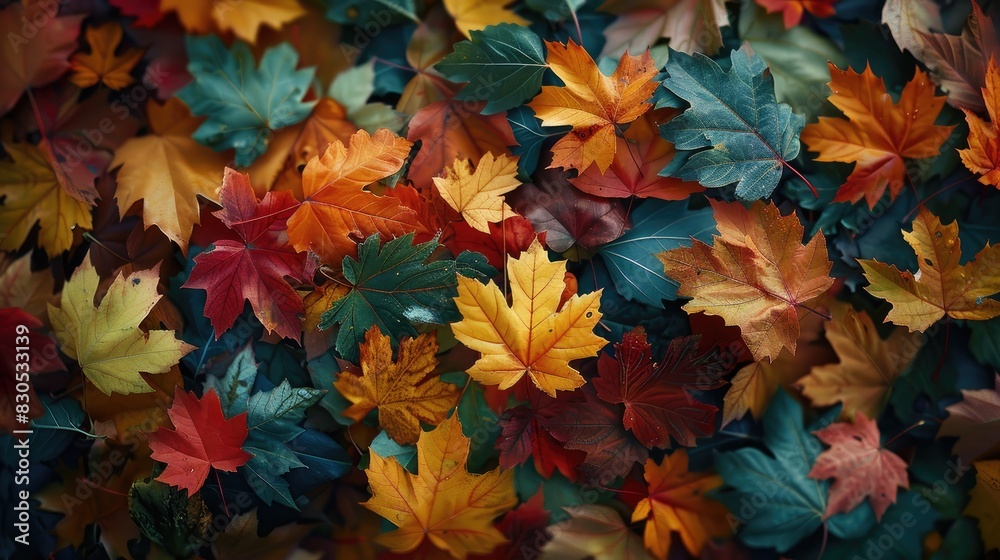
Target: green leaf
[
  {"x": 555, "y": 10},
  {"x": 169, "y": 517},
  {"x": 529, "y": 135},
  {"x": 902, "y": 527},
  {"x": 55, "y": 430},
  {"x": 392, "y": 288},
  {"x": 658, "y": 226},
  {"x": 234, "y": 386},
  {"x": 748, "y": 135},
  {"x": 244, "y": 105},
  {"x": 479, "y": 424},
  {"x": 503, "y": 65},
  {"x": 385, "y": 447}
]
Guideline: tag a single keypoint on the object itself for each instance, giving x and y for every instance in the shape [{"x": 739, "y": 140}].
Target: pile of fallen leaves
[{"x": 496, "y": 279}]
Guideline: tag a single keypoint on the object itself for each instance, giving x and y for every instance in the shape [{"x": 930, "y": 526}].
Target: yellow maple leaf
[
  {"x": 106, "y": 340},
  {"x": 168, "y": 170},
  {"x": 472, "y": 15},
  {"x": 592, "y": 103},
  {"x": 404, "y": 391},
  {"x": 32, "y": 194},
  {"x": 443, "y": 502},
  {"x": 534, "y": 335},
  {"x": 477, "y": 195},
  {"x": 243, "y": 17},
  {"x": 755, "y": 275},
  {"x": 983, "y": 154},
  {"x": 985, "y": 502},
  {"x": 868, "y": 365},
  {"x": 677, "y": 503},
  {"x": 101, "y": 64},
  {"x": 942, "y": 286}
]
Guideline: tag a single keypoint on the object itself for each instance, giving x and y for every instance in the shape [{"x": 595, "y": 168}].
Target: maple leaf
[
  {"x": 656, "y": 398},
  {"x": 860, "y": 466},
  {"x": 106, "y": 340},
  {"x": 44, "y": 59},
  {"x": 677, "y": 502},
  {"x": 168, "y": 170},
  {"x": 202, "y": 438},
  {"x": 430, "y": 42},
  {"x": 754, "y": 275},
  {"x": 443, "y": 502},
  {"x": 336, "y": 204},
  {"x": 906, "y": 18},
  {"x": 254, "y": 267},
  {"x": 537, "y": 334},
  {"x": 33, "y": 195},
  {"x": 942, "y": 286},
  {"x": 596, "y": 532},
  {"x": 868, "y": 365},
  {"x": 473, "y": 15},
  {"x": 957, "y": 62},
  {"x": 595, "y": 105},
  {"x": 405, "y": 392},
  {"x": 245, "y": 22},
  {"x": 244, "y": 104},
  {"x": 792, "y": 10},
  {"x": 983, "y": 154},
  {"x": 524, "y": 435},
  {"x": 879, "y": 134},
  {"x": 102, "y": 65},
  {"x": 478, "y": 195},
  {"x": 983, "y": 503},
  {"x": 690, "y": 25},
  {"x": 974, "y": 421}
]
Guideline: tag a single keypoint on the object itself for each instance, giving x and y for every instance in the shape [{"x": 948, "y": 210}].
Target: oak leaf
[
  {"x": 879, "y": 134},
  {"x": 677, "y": 502},
  {"x": 405, "y": 391},
  {"x": 942, "y": 286},
  {"x": 443, "y": 503},
  {"x": 478, "y": 195},
  {"x": 202, "y": 438},
  {"x": 754, "y": 275},
  {"x": 595, "y": 105},
  {"x": 106, "y": 340},
  {"x": 983, "y": 154},
  {"x": 860, "y": 465},
  {"x": 537, "y": 334},
  {"x": 101, "y": 64}
]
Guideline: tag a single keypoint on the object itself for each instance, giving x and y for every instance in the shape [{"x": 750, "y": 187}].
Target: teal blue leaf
[
  {"x": 278, "y": 413},
  {"x": 56, "y": 429},
  {"x": 503, "y": 65},
  {"x": 529, "y": 135},
  {"x": 479, "y": 424},
  {"x": 746, "y": 134},
  {"x": 234, "y": 386},
  {"x": 379, "y": 13},
  {"x": 898, "y": 536},
  {"x": 392, "y": 287},
  {"x": 244, "y": 104},
  {"x": 385, "y": 447},
  {"x": 657, "y": 226},
  {"x": 555, "y": 10}
]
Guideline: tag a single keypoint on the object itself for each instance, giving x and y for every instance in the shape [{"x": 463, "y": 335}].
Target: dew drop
[
  {"x": 937, "y": 234},
  {"x": 979, "y": 300}
]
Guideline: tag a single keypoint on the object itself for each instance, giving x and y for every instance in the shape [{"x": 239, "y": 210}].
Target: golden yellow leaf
[
  {"x": 168, "y": 170},
  {"x": 243, "y": 17},
  {"x": 983, "y": 154},
  {"x": 405, "y": 392},
  {"x": 533, "y": 335},
  {"x": 941, "y": 286},
  {"x": 106, "y": 340},
  {"x": 101, "y": 64},
  {"x": 32, "y": 194},
  {"x": 477, "y": 195},
  {"x": 985, "y": 502},
  {"x": 755, "y": 275},
  {"x": 443, "y": 502},
  {"x": 473, "y": 15}
]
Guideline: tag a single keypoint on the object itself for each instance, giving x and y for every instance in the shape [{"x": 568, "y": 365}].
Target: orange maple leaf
[
  {"x": 983, "y": 154},
  {"x": 879, "y": 134},
  {"x": 101, "y": 64},
  {"x": 792, "y": 10},
  {"x": 595, "y": 105}
]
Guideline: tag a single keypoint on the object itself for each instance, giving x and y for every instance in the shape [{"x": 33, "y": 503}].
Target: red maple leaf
[
  {"x": 254, "y": 267},
  {"x": 202, "y": 438},
  {"x": 656, "y": 398},
  {"x": 524, "y": 436},
  {"x": 861, "y": 466}
]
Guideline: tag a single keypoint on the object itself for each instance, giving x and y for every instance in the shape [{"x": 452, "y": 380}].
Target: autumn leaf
[
  {"x": 861, "y": 466},
  {"x": 942, "y": 286},
  {"x": 167, "y": 170},
  {"x": 984, "y": 501},
  {"x": 106, "y": 340},
  {"x": 405, "y": 392},
  {"x": 690, "y": 25},
  {"x": 524, "y": 435},
  {"x": 593, "y": 531},
  {"x": 478, "y": 195},
  {"x": 473, "y": 15},
  {"x": 906, "y": 19},
  {"x": 534, "y": 335},
  {"x": 754, "y": 275},
  {"x": 958, "y": 63},
  {"x": 102, "y": 65},
  {"x": 879, "y": 134},
  {"x": 336, "y": 204},
  {"x": 254, "y": 267},
  {"x": 983, "y": 154},
  {"x": 974, "y": 421},
  {"x": 202, "y": 438},
  {"x": 792, "y": 10},
  {"x": 443, "y": 502},
  {"x": 244, "y": 22},
  {"x": 33, "y": 195},
  {"x": 678, "y": 502},
  {"x": 868, "y": 365},
  {"x": 595, "y": 105}
]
